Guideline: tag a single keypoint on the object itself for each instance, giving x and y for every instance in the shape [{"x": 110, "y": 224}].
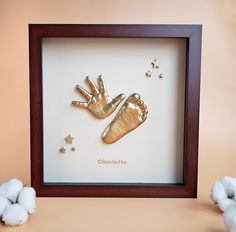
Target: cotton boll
[
  {"x": 26, "y": 199},
  {"x": 230, "y": 218},
  {"x": 11, "y": 189},
  {"x": 229, "y": 184},
  {"x": 226, "y": 203},
  {"x": 4, "y": 203},
  {"x": 15, "y": 215},
  {"x": 218, "y": 192}
]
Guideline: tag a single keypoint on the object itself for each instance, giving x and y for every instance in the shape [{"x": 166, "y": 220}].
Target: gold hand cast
[{"x": 99, "y": 103}]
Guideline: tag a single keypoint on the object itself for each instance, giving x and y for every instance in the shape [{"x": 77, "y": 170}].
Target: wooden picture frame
[{"x": 188, "y": 188}]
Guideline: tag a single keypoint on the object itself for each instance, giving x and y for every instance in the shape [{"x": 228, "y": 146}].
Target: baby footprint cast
[{"x": 131, "y": 115}]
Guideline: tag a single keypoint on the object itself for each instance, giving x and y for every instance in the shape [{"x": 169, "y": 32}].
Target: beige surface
[
  {"x": 116, "y": 215},
  {"x": 217, "y": 155}
]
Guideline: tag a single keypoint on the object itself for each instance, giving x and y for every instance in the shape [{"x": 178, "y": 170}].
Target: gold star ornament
[
  {"x": 161, "y": 76},
  {"x": 63, "y": 150},
  {"x": 148, "y": 74},
  {"x": 155, "y": 64},
  {"x": 69, "y": 139}
]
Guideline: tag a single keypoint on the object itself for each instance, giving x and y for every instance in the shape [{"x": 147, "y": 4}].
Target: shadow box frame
[{"x": 187, "y": 189}]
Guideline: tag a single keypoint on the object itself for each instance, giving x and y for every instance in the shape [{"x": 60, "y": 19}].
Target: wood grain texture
[{"x": 192, "y": 34}]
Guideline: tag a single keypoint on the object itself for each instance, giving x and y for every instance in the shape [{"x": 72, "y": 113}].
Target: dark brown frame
[{"x": 192, "y": 34}]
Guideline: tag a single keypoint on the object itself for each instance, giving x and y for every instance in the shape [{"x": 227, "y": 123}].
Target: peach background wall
[{"x": 217, "y": 147}]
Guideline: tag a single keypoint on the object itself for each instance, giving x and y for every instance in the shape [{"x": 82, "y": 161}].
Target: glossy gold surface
[
  {"x": 155, "y": 64},
  {"x": 132, "y": 114},
  {"x": 63, "y": 150},
  {"x": 99, "y": 103},
  {"x": 69, "y": 139},
  {"x": 148, "y": 74},
  {"x": 161, "y": 76}
]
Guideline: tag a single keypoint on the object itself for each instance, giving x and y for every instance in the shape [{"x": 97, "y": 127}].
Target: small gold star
[
  {"x": 63, "y": 150},
  {"x": 148, "y": 74},
  {"x": 156, "y": 64},
  {"x": 73, "y": 149},
  {"x": 69, "y": 139},
  {"x": 161, "y": 76}
]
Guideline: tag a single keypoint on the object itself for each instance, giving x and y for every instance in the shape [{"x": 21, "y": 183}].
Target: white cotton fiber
[
  {"x": 225, "y": 203},
  {"x": 15, "y": 215},
  {"x": 27, "y": 200},
  {"x": 218, "y": 192},
  {"x": 223, "y": 192},
  {"x": 230, "y": 218},
  {"x": 11, "y": 189},
  {"x": 4, "y": 202},
  {"x": 229, "y": 184}
]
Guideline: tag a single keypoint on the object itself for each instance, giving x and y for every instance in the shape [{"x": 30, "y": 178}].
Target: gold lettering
[{"x": 112, "y": 162}]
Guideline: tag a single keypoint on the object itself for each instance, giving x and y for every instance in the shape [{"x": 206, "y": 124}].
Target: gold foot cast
[
  {"x": 99, "y": 103},
  {"x": 132, "y": 114}
]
